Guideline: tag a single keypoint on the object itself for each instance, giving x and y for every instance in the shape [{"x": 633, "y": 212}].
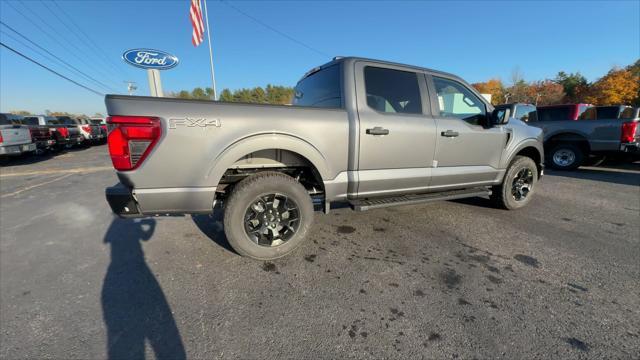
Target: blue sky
[{"x": 476, "y": 40}]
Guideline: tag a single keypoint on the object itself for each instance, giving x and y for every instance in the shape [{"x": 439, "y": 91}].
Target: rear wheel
[
  {"x": 518, "y": 184},
  {"x": 565, "y": 156},
  {"x": 267, "y": 215}
]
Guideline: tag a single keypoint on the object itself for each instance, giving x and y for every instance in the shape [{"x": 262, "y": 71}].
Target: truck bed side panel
[{"x": 187, "y": 153}]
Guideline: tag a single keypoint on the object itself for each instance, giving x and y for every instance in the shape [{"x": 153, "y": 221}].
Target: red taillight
[
  {"x": 87, "y": 128},
  {"x": 104, "y": 127},
  {"x": 131, "y": 139},
  {"x": 1, "y": 139},
  {"x": 628, "y": 132},
  {"x": 64, "y": 131}
]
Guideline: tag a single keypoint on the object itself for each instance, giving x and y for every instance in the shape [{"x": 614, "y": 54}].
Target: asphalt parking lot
[{"x": 455, "y": 279}]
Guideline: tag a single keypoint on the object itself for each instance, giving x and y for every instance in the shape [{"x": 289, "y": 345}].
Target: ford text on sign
[{"x": 150, "y": 59}]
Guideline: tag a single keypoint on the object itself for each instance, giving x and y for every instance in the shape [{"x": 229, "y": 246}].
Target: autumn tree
[
  {"x": 619, "y": 86},
  {"x": 493, "y": 87},
  {"x": 545, "y": 92},
  {"x": 575, "y": 86},
  {"x": 635, "y": 71}
]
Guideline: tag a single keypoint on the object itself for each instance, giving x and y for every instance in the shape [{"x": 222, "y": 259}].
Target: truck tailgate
[{"x": 15, "y": 135}]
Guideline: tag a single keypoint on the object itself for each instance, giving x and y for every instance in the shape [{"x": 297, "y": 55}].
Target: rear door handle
[
  {"x": 449, "y": 133},
  {"x": 377, "y": 131}
]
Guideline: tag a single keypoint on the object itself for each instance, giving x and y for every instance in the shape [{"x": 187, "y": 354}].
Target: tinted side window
[
  {"x": 320, "y": 89},
  {"x": 607, "y": 112},
  {"x": 392, "y": 91},
  {"x": 456, "y": 100},
  {"x": 554, "y": 114}
]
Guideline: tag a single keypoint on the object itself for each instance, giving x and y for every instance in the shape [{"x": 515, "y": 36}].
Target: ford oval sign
[{"x": 150, "y": 59}]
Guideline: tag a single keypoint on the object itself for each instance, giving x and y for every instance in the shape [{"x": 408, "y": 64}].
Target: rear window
[
  {"x": 96, "y": 122},
  {"x": 320, "y": 89},
  {"x": 53, "y": 122},
  {"x": 9, "y": 119},
  {"x": 554, "y": 113}
]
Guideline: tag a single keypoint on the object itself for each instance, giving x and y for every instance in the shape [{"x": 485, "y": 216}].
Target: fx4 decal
[{"x": 193, "y": 122}]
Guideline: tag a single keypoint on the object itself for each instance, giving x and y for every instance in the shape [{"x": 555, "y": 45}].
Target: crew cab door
[
  {"x": 468, "y": 151},
  {"x": 396, "y": 135}
]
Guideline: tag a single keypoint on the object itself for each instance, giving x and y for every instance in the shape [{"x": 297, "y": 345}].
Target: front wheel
[
  {"x": 518, "y": 184},
  {"x": 267, "y": 215}
]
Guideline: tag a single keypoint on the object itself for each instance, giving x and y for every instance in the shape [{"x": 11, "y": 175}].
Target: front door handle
[
  {"x": 449, "y": 133},
  {"x": 377, "y": 131}
]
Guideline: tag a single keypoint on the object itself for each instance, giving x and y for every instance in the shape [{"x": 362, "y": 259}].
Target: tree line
[
  {"x": 271, "y": 94},
  {"x": 57, "y": 113},
  {"x": 619, "y": 86}
]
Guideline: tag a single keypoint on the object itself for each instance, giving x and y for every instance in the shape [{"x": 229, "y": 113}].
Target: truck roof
[{"x": 342, "y": 59}]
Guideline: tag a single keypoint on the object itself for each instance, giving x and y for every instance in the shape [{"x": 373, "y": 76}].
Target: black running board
[{"x": 375, "y": 203}]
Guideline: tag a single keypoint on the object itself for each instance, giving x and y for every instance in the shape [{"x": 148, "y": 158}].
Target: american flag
[{"x": 197, "y": 36}]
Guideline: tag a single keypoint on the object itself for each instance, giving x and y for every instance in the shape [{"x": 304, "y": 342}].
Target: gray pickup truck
[
  {"x": 598, "y": 132},
  {"x": 367, "y": 132}
]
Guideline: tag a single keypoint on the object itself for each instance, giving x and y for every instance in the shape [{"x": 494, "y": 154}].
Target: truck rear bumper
[
  {"x": 126, "y": 202},
  {"x": 17, "y": 149},
  {"x": 633, "y": 147},
  {"x": 121, "y": 201}
]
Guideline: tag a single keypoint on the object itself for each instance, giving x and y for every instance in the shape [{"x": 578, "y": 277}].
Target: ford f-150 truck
[
  {"x": 367, "y": 132},
  {"x": 594, "y": 135},
  {"x": 15, "y": 138}
]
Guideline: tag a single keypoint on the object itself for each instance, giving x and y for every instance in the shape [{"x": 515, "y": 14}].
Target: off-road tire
[
  {"x": 567, "y": 147},
  {"x": 244, "y": 194},
  {"x": 501, "y": 194}
]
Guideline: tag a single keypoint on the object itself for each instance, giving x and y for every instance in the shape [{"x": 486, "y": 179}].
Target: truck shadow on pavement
[
  {"x": 213, "y": 228},
  {"x": 624, "y": 175},
  {"x": 133, "y": 304}
]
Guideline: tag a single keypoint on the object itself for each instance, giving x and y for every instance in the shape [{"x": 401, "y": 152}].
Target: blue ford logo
[{"x": 150, "y": 59}]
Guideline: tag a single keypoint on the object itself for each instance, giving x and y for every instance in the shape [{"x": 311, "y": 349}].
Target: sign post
[
  {"x": 155, "y": 84},
  {"x": 152, "y": 61}
]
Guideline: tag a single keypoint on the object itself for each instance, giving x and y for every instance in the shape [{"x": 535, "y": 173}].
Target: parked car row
[
  {"x": 40, "y": 133},
  {"x": 582, "y": 134}
]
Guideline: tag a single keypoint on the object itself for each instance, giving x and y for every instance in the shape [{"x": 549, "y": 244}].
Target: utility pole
[{"x": 131, "y": 87}]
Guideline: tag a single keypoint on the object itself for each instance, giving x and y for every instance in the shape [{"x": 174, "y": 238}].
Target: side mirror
[{"x": 500, "y": 116}]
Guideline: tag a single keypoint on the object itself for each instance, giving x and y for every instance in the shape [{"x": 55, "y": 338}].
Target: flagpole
[{"x": 213, "y": 77}]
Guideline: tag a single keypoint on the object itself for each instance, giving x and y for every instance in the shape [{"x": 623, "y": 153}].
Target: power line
[
  {"x": 53, "y": 71},
  {"x": 99, "y": 83},
  {"x": 35, "y": 23},
  {"x": 85, "y": 42},
  {"x": 275, "y": 30}
]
